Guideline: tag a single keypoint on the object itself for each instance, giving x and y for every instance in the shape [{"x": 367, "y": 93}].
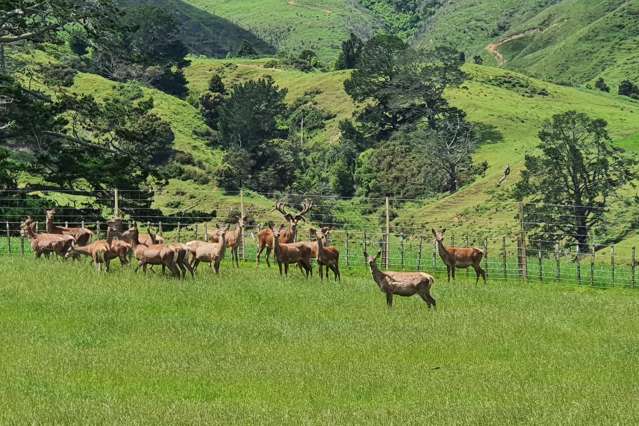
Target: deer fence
[{"x": 504, "y": 231}]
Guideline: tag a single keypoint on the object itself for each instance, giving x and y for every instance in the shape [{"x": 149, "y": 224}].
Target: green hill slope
[{"x": 568, "y": 41}]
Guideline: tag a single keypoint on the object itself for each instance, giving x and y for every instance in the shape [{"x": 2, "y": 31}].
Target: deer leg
[
  {"x": 448, "y": 270},
  {"x": 217, "y": 267},
  {"x": 268, "y": 255},
  {"x": 452, "y": 270},
  {"x": 389, "y": 299},
  {"x": 257, "y": 257},
  {"x": 338, "y": 276},
  {"x": 286, "y": 270},
  {"x": 279, "y": 264},
  {"x": 479, "y": 271},
  {"x": 321, "y": 271},
  {"x": 195, "y": 264},
  {"x": 187, "y": 266}
]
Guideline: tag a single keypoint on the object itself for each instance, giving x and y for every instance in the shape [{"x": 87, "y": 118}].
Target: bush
[
  {"x": 628, "y": 88},
  {"x": 601, "y": 85}
]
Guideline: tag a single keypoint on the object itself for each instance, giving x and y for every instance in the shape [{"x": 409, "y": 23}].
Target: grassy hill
[{"x": 568, "y": 41}]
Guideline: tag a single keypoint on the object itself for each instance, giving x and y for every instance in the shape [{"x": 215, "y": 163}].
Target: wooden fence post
[
  {"x": 348, "y": 265},
  {"x": 21, "y": 245},
  {"x": 634, "y": 265},
  {"x": 160, "y": 228},
  {"x": 467, "y": 245},
  {"x": 592, "y": 265},
  {"x": 365, "y": 247},
  {"x": 433, "y": 248},
  {"x": 557, "y": 263},
  {"x": 486, "y": 257},
  {"x": 401, "y": 250},
  {"x": 82, "y": 224},
  {"x": 206, "y": 232},
  {"x": 504, "y": 253},
  {"x": 541, "y": 262},
  {"x": 178, "y": 231},
  {"x": 195, "y": 232},
  {"x": 8, "y": 237},
  {"x": 578, "y": 260},
  {"x": 419, "y": 254},
  {"x": 612, "y": 264},
  {"x": 387, "y": 236},
  {"x": 97, "y": 229},
  {"x": 523, "y": 254}
]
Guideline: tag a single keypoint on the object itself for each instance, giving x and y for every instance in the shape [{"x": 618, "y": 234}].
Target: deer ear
[
  {"x": 443, "y": 231},
  {"x": 379, "y": 252}
]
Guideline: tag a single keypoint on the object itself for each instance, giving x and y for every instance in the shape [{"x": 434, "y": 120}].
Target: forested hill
[{"x": 564, "y": 41}]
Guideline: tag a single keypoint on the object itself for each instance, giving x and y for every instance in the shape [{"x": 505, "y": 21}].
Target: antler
[
  {"x": 306, "y": 207},
  {"x": 279, "y": 206}
]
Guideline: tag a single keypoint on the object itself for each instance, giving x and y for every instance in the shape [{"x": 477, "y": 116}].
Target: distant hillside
[{"x": 566, "y": 41}]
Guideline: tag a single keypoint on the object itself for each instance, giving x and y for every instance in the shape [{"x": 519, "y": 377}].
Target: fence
[{"x": 510, "y": 253}]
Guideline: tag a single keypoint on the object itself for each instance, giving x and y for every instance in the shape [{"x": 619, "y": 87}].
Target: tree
[
  {"x": 246, "y": 49},
  {"x": 478, "y": 60},
  {"x": 250, "y": 114},
  {"x": 216, "y": 85},
  {"x": 628, "y": 88},
  {"x": 601, "y": 85},
  {"x": 568, "y": 183},
  {"x": 350, "y": 53},
  {"x": 401, "y": 86}
]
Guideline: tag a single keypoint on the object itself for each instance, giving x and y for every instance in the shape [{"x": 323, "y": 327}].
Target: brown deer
[
  {"x": 233, "y": 240},
  {"x": 288, "y": 253},
  {"x": 327, "y": 257},
  {"x": 45, "y": 243},
  {"x": 211, "y": 253},
  {"x": 147, "y": 240},
  {"x": 182, "y": 259},
  {"x": 401, "y": 283},
  {"x": 459, "y": 257},
  {"x": 82, "y": 236},
  {"x": 98, "y": 251},
  {"x": 154, "y": 254},
  {"x": 265, "y": 236}
]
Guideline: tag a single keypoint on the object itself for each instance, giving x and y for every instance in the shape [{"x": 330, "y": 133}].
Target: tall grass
[{"x": 249, "y": 347}]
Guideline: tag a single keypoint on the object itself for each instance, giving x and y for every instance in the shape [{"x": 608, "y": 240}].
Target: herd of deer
[{"x": 181, "y": 259}]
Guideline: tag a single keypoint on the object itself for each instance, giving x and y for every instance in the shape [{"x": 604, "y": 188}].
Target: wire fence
[{"x": 510, "y": 250}]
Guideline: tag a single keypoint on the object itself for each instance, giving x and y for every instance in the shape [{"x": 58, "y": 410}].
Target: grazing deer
[
  {"x": 98, "y": 251},
  {"x": 154, "y": 254},
  {"x": 459, "y": 257},
  {"x": 265, "y": 236},
  {"x": 211, "y": 253},
  {"x": 82, "y": 236},
  {"x": 233, "y": 240},
  {"x": 45, "y": 243},
  {"x": 401, "y": 283},
  {"x": 327, "y": 257},
  {"x": 288, "y": 253}
]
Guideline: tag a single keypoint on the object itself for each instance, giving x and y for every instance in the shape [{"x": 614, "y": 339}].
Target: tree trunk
[
  {"x": 581, "y": 231},
  {"x": 3, "y": 64}
]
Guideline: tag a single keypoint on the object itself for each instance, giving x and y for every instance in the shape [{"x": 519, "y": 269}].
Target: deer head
[
  {"x": 439, "y": 236},
  {"x": 294, "y": 220},
  {"x": 372, "y": 260},
  {"x": 50, "y": 214},
  {"x": 26, "y": 227}
]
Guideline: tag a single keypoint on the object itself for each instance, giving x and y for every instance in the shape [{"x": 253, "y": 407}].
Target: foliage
[
  {"x": 401, "y": 17},
  {"x": 350, "y": 53},
  {"x": 628, "y": 88},
  {"x": 216, "y": 85},
  {"x": 601, "y": 85},
  {"x": 478, "y": 60},
  {"x": 245, "y": 50},
  {"x": 577, "y": 166}
]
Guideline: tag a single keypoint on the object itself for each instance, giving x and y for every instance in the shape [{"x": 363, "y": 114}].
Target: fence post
[
  {"x": 522, "y": 230},
  {"x": 178, "y": 231},
  {"x": 467, "y": 245},
  {"x": 116, "y": 203},
  {"x": 433, "y": 248},
  {"x": 195, "y": 232},
  {"x": 365, "y": 248},
  {"x": 348, "y": 265},
  {"x": 578, "y": 260},
  {"x": 242, "y": 248},
  {"x": 485, "y": 257},
  {"x": 592, "y": 265},
  {"x": 66, "y": 223},
  {"x": 612, "y": 264},
  {"x": 8, "y": 237},
  {"x": 504, "y": 253},
  {"x": 206, "y": 232},
  {"x": 387, "y": 249},
  {"x": 541, "y": 263},
  {"x": 160, "y": 228},
  {"x": 97, "y": 229},
  {"x": 82, "y": 223},
  {"x": 419, "y": 254},
  {"x": 557, "y": 263},
  {"x": 21, "y": 245},
  {"x": 401, "y": 250},
  {"x": 634, "y": 265}
]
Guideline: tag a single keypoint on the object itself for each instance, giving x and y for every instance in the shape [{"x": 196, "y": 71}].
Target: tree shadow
[{"x": 488, "y": 133}]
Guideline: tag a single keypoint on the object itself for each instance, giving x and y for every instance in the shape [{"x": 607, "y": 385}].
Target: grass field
[{"x": 81, "y": 348}]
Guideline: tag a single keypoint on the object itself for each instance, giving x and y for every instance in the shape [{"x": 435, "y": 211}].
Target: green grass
[{"x": 81, "y": 348}]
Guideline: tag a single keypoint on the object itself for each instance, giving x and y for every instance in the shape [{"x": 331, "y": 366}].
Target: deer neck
[
  {"x": 238, "y": 233},
  {"x": 31, "y": 232},
  {"x": 50, "y": 226},
  {"x": 378, "y": 276},
  {"x": 82, "y": 249},
  {"x": 441, "y": 248},
  {"x": 291, "y": 233}
]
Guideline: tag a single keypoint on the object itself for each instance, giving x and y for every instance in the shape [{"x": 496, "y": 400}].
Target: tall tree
[
  {"x": 350, "y": 53},
  {"x": 568, "y": 183}
]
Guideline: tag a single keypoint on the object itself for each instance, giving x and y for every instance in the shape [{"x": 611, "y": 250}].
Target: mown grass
[{"x": 79, "y": 347}]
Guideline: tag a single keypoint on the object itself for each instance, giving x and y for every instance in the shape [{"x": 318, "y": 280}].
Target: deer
[
  {"x": 45, "y": 243},
  {"x": 233, "y": 240},
  {"x": 82, "y": 236},
  {"x": 265, "y": 236},
  {"x": 98, "y": 251},
  {"x": 404, "y": 284},
  {"x": 211, "y": 253},
  {"x": 459, "y": 257},
  {"x": 182, "y": 259},
  {"x": 143, "y": 239},
  {"x": 327, "y": 257},
  {"x": 288, "y": 253},
  {"x": 154, "y": 254}
]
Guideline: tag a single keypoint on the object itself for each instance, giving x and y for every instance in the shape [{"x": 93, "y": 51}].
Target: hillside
[{"x": 567, "y": 41}]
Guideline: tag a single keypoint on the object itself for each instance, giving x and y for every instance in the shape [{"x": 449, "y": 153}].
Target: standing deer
[
  {"x": 265, "y": 236},
  {"x": 154, "y": 254},
  {"x": 288, "y": 253},
  {"x": 401, "y": 283},
  {"x": 82, "y": 236},
  {"x": 211, "y": 253},
  {"x": 45, "y": 243},
  {"x": 233, "y": 240},
  {"x": 98, "y": 251},
  {"x": 327, "y": 257},
  {"x": 459, "y": 257}
]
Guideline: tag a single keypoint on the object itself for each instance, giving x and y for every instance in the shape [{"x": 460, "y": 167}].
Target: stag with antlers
[{"x": 288, "y": 235}]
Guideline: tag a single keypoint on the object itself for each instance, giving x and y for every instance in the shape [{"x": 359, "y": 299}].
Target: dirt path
[{"x": 493, "y": 48}]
